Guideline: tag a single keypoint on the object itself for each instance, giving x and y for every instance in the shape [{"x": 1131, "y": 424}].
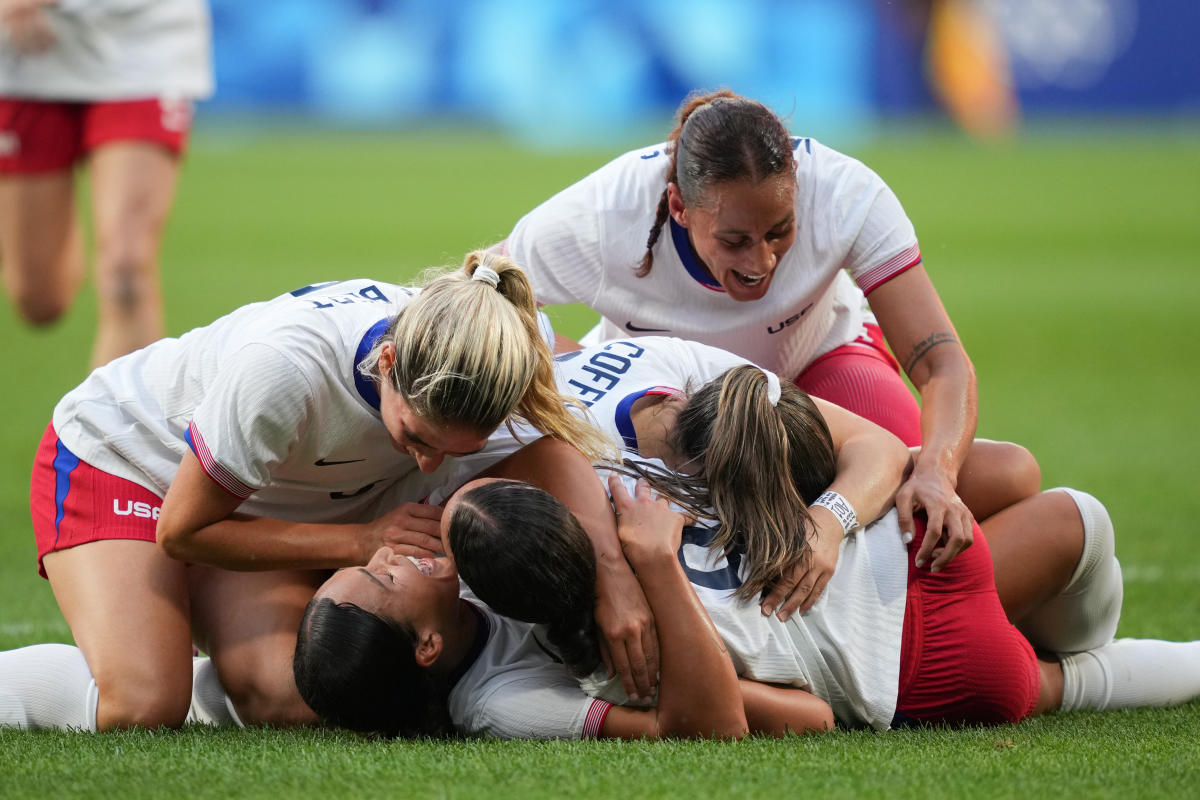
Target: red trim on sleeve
[
  {"x": 217, "y": 473},
  {"x": 878, "y": 275},
  {"x": 593, "y": 723}
]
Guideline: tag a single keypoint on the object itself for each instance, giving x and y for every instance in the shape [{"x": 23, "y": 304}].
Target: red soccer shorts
[
  {"x": 48, "y": 136},
  {"x": 863, "y": 377},
  {"x": 961, "y": 662},
  {"x": 73, "y": 503}
]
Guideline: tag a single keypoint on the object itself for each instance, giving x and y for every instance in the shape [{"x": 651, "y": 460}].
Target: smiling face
[
  {"x": 419, "y": 593},
  {"x": 740, "y": 230},
  {"x": 427, "y": 443}
]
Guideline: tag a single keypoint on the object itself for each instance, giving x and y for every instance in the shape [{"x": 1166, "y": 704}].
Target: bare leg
[
  {"x": 133, "y": 186},
  {"x": 41, "y": 252},
  {"x": 247, "y": 622},
  {"x": 1035, "y": 545},
  {"x": 996, "y": 475},
  {"x": 1051, "y": 694},
  {"x": 126, "y": 603}
]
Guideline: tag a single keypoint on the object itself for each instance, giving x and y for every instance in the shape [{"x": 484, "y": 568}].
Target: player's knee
[
  {"x": 1012, "y": 471},
  {"x": 154, "y": 703},
  {"x": 264, "y": 697},
  {"x": 278, "y": 705},
  {"x": 126, "y": 278},
  {"x": 40, "y": 309}
]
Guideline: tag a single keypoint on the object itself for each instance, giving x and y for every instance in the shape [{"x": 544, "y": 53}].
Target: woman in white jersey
[
  {"x": 392, "y": 648},
  {"x": 112, "y": 84},
  {"x": 642, "y": 382},
  {"x": 765, "y": 244},
  {"x": 257, "y": 451}
]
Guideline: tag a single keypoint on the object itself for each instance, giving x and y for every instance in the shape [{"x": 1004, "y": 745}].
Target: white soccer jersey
[
  {"x": 845, "y": 649},
  {"x": 268, "y": 397},
  {"x": 514, "y": 689},
  {"x": 584, "y": 244},
  {"x": 610, "y": 377},
  {"x": 116, "y": 50}
]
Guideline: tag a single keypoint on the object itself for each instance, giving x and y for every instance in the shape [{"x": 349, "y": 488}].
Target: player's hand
[
  {"x": 413, "y": 529},
  {"x": 646, "y": 525},
  {"x": 26, "y": 25},
  {"x": 626, "y": 623},
  {"x": 801, "y": 585},
  {"x": 949, "y": 524}
]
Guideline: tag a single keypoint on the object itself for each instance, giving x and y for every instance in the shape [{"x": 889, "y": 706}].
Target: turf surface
[{"x": 1067, "y": 261}]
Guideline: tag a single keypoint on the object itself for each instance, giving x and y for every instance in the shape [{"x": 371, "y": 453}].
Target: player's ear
[
  {"x": 675, "y": 204},
  {"x": 429, "y": 648},
  {"x": 387, "y": 358}
]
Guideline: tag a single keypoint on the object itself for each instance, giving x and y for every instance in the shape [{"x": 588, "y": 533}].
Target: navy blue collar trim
[
  {"x": 623, "y": 414},
  {"x": 684, "y": 248},
  {"x": 365, "y": 385}
]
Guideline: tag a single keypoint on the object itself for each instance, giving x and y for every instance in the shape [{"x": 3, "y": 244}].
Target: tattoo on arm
[{"x": 922, "y": 348}]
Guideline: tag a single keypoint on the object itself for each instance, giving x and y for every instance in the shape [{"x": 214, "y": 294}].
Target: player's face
[
  {"x": 741, "y": 230},
  {"x": 426, "y": 443},
  {"x": 407, "y": 590}
]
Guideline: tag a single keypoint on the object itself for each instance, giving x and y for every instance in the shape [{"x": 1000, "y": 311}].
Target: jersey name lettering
[
  {"x": 371, "y": 294},
  {"x": 605, "y": 369},
  {"x": 715, "y": 571}
]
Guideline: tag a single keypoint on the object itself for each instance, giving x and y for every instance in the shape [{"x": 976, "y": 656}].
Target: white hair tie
[
  {"x": 772, "y": 387},
  {"x": 486, "y": 274}
]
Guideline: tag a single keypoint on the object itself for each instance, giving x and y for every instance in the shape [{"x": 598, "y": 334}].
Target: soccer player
[
  {"x": 258, "y": 451},
  {"x": 662, "y": 395},
  {"x": 736, "y": 234},
  {"x": 392, "y": 648},
  {"x": 112, "y": 84}
]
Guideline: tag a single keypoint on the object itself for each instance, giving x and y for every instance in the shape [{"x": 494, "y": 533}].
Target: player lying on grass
[
  {"x": 659, "y": 395},
  {"x": 197, "y": 489},
  {"x": 768, "y": 245},
  {"x": 887, "y": 643}
]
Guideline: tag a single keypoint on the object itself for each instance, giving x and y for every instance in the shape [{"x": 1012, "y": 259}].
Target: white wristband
[{"x": 840, "y": 508}]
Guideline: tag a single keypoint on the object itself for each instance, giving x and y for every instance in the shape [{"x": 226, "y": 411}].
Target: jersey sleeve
[
  {"x": 541, "y": 706},
  {"x": 251, "y": 416},
  {"x": 883, "y": 243},
  {"x": 559, "y": 245}
]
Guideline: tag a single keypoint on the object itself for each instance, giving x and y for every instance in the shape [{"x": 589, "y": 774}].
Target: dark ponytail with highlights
[
  {"x": 721, "y": 136},
  {"x": 524, "y": 554},
  {"x": 755, "y": 465}
]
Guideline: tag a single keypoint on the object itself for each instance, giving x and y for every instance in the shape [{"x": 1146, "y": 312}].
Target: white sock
[
  {"x": 47, "y": 686},
  {"x": 1132, "y": 673},
  {"x": 1084, "y": 615},
  {"x": 210, "y": 704}
]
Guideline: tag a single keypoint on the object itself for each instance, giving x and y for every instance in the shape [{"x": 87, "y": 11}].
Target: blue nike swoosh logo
[{"x": 632, "y": 327}]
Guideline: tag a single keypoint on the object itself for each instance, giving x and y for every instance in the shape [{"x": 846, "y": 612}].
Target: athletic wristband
[{"x": 840, "y": 508}]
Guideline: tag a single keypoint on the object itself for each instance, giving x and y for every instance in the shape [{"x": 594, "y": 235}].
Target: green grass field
[{"x": 1068, "y": 263}]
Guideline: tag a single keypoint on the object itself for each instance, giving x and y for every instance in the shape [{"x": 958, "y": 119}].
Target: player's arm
[
  {"x": 198, "y": 524},
  {"x": 698, "y": 693},
  {"x": 871, "y": 463},
  {"x": 780, "y": 710},
  {"x": 622, "y": 613},
  {"x": 924, "y": 340}
]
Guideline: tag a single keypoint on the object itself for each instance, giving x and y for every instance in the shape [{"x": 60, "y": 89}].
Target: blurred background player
[{"x": 109, "y": 82}]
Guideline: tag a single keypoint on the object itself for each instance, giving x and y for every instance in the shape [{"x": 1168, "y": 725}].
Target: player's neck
[{"x": 653, "y": 419}]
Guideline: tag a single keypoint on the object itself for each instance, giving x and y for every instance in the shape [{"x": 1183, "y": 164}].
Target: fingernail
[
  {"x": 634, "y": 698},
  {"x": 920, "y": 562},
  {"x": 783, "y": 615},
  {"x": 908, "y": 537},
  {"x": 936, "y": 569},
  {"x": 767, "y": 610}
]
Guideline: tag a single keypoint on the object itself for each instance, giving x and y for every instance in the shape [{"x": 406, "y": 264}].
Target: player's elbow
[
  {"x": 731, "y": 725},
  {"x": 171, "y": 539}
]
